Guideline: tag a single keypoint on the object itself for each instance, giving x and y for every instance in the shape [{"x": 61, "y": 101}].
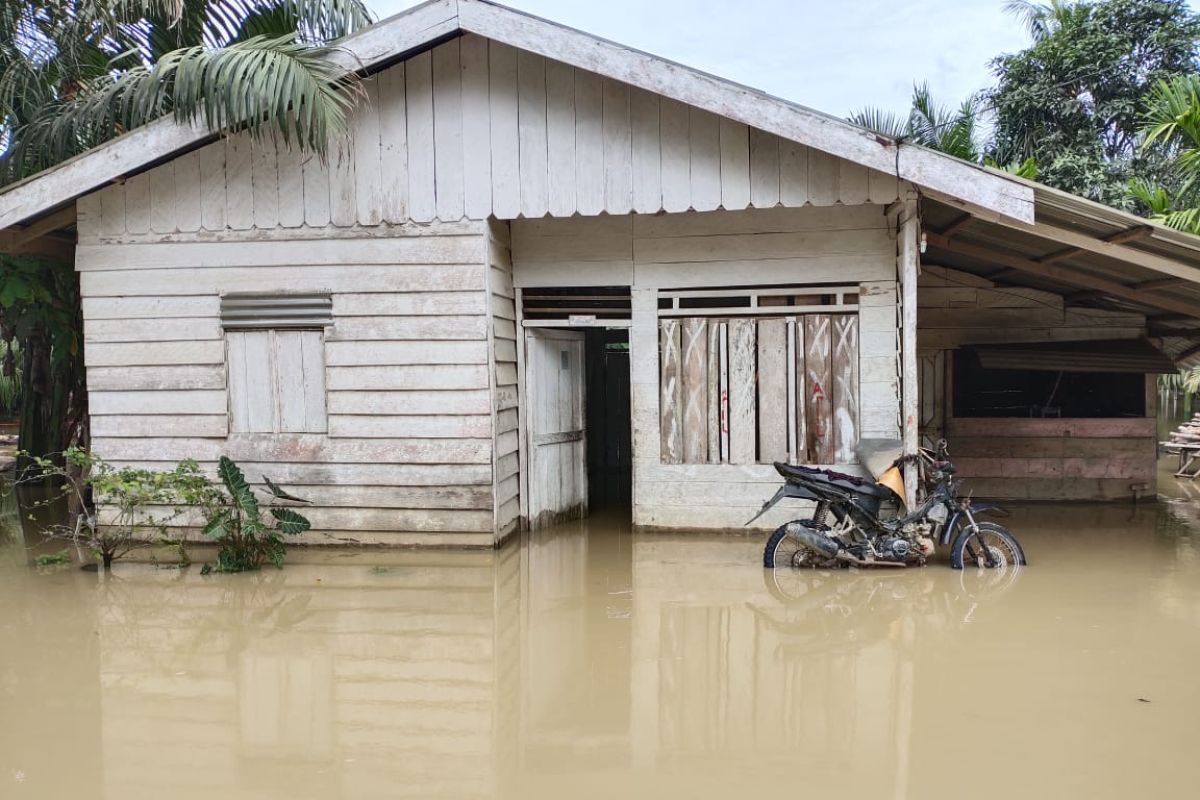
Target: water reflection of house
[{"x": 529, "y": 216}]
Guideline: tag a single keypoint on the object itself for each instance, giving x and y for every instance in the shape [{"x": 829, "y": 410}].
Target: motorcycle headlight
[{"x": 938, "y": 513}]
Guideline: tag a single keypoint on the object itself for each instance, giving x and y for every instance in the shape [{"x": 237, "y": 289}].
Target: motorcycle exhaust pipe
[{"x": 822, "y": 545}]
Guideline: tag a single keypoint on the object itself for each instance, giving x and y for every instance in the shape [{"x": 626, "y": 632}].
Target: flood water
[{"x": 588, "y": 661}]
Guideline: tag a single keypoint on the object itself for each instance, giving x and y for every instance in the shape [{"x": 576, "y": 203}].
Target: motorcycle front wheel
[{"x": 968, "y": 547}]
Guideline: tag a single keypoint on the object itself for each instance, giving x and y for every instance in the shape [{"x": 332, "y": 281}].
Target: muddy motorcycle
[{"x": 858, "y": 522}]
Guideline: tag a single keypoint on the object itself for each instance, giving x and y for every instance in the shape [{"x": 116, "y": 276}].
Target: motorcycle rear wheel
[
  {"x": 968, "y": 549},
  {"x": 783, "y": 558}
]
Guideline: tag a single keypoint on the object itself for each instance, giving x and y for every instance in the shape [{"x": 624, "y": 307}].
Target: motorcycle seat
[{"x": 853, "y": 483}]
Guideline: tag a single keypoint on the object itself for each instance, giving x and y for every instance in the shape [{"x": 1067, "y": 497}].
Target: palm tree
[
  {"x": 75, "y": 73},
  {"x": 954, "y": 131},
  {"x": 1172, "y": 119},
  {"x": 1043, "y": 19}
]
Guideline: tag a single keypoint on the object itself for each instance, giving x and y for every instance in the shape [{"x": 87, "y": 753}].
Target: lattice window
[{"x": 745, "y": 390}]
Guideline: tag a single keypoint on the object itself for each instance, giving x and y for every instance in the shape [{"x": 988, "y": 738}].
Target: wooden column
[{"x": 908, "y": 267}]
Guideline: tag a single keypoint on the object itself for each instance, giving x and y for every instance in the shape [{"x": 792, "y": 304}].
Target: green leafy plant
[
  {"x": 137, "y": 506},
  {"x": 236, "y": 523},
  {"x": 52, "y": 559}
]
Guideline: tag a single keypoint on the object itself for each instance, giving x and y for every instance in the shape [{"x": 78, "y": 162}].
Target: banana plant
[{"x": 246, "y": 540}]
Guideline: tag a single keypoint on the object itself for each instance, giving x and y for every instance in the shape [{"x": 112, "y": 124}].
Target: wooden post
[{"x": 908, "y": 267}]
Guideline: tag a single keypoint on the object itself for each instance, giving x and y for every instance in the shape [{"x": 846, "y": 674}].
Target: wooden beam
[
  {"x": 45, "y": 225},
  {"x": 1083, "y": 242},
  {"x": 909, "y": 257},
  {"x": 1128, "y": 235},
  {"x": 957, "y": 225},
  {"x": 1191, "y": 351},
  {"x": 1066, "y": 275},
  {"x": 1157, "y": 283}
]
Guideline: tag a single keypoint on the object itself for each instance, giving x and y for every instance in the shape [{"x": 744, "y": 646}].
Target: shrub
[
  {"x": 235, "y": 522},
  {"x": 140, "y": 503}
]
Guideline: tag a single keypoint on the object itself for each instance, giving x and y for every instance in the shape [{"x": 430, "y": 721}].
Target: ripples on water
[{"x": 588, "y": 661}]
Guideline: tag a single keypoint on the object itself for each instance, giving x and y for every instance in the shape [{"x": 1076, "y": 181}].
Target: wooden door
[{"x": 554, "y": 391}]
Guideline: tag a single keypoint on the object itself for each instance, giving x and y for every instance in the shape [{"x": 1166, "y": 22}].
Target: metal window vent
[{"x": 276, "y": 310}]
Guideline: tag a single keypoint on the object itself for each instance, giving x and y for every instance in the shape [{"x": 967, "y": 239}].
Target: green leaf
[
  {"x": 235, "y": 483},
  {"x": 217, "y": 526},
  {"x": 280, "y": 493},
  {"x": 290, "y": 522}
]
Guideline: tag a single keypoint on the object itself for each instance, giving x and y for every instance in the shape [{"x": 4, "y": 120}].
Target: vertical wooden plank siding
[
  {"x": 822, "y": 178},
  {"x": 742, "y": 400},
  {"x": 617, "y": 149},
  {"x": 735, "y": 164},
  {"x": 162, "y": 198},
  {"x": 291, "y": 187},
  {"x": 187, "y": 192},
  {"x": 212, "y": 187},
  {"x": 560, "y": 138},
  {"x": 674, "y": 128},
  {"x": 368, "y": 179},
  {"x": 531, "y": 127},
  {"x": 265, "y": 177},
  {"x": 647, "y": 151},
  {"x": 845, "y": 388},
  {"x": 589, "y": 143},
  {"x": 695, "y": 390},
  {"x": 800, "y": 405},
  {"x": 316, "y": 191},
  {"x": 705, "y": 160},
  {"x": 343, "y": 206},
  {"x": 793, "y": 174},
  {"x": 713, "y": 389},
  {"x": 671, "y": 428},
  {"x": 393, "y": 147},
  {"x": 477, "y": 151},
  {"x": 137, "y": 203},
  {"x": 418, "y": 92},
  {"x": 772, "y": 390},
  {"x": 506, "y": 158},
  {"x": 473, "y": 128},
  {"x": 818, "y": 373},
  {"x": 448, "y": 130},
  {"x": 764, "y": 169}
]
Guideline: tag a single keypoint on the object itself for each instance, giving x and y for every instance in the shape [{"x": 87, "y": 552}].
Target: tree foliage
[
  {"x": 1072, "y": 100},
  {"x": 75, "y": 73}
]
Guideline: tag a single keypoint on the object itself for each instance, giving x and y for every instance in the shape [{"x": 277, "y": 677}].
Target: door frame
[{"x": 575, "y": 323}]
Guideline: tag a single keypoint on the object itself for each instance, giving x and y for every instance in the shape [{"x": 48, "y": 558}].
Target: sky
[{"x": 835, "y": 56}]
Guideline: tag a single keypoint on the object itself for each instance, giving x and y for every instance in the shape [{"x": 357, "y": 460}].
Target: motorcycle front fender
[
  {"x": 956, "y": 519},
  {"x": 788, "y": 489}
]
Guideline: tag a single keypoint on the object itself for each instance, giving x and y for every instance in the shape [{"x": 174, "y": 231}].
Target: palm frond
[
  {"x": 274, "y": 87},
  {"x": 1172, "y": 112},
  {"x": 885, "y": 123}
]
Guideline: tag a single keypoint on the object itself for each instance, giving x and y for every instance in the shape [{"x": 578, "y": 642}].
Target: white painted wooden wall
[
  {"x": 421, "y": 359},
  {"x": 411, "y": 399},
  {"x": 503, "y": 332},
  {"x": 837, "y": 245},
  {"x": 475, "y": 129}
]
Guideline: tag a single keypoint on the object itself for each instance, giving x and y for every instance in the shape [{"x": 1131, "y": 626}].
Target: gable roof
[{"x": 987, "y": 194}]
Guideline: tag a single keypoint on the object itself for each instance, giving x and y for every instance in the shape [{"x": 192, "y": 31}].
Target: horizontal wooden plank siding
[
  {"x": 477, "y": 129},
  {"x": 1022, "y": 458},
  {"x": 1056, "y": 459},
  {"x": 409, "y": 447},
  {"x": 502, "y": 313}
]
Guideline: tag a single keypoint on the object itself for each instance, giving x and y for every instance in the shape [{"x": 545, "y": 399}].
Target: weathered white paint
[
  {"x": 428, "y": 22},
  {"x": 474, "y": 128},
  {"x": 403, "y": 379}
]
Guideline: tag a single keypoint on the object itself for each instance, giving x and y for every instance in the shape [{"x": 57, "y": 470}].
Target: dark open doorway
[{"x": 609, "y": 419}]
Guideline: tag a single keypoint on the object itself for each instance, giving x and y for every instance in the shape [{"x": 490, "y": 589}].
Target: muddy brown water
[{"x": 589, "y": 661}]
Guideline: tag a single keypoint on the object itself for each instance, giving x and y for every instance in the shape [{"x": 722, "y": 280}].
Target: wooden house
[{"x": 544, "y": 264}]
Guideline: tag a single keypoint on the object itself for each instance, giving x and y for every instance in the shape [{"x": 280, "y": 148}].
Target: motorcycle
[{"x": 860, "y": 523}]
